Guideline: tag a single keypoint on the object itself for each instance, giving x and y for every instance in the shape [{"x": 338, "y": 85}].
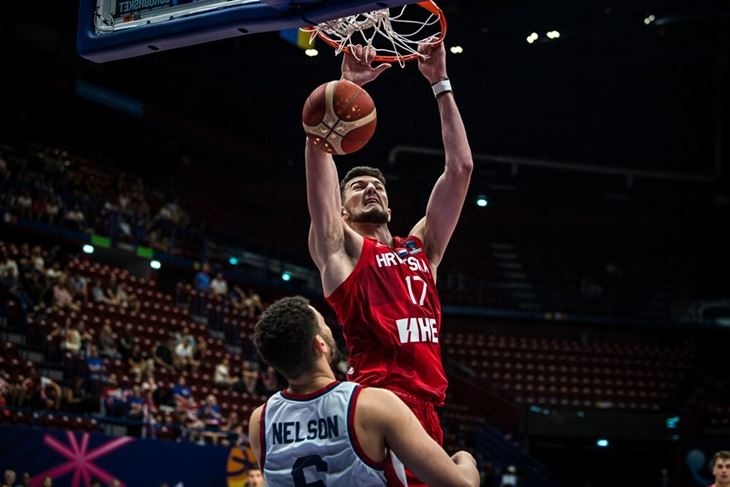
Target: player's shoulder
[{"x": 374, "y": 403}]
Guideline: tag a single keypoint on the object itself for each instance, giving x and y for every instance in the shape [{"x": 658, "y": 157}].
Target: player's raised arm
[
  {"x": 448, "y": 195},
  {"x": 326, "y": 233}
]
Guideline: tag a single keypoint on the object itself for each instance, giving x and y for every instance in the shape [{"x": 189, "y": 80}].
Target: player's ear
[
  {"x": 389, "y": 214},
  {"x": 344, "y": 213},
  {"x": 320, "y": 345}
]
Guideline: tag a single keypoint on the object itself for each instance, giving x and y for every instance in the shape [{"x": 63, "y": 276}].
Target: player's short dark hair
[
  {"x": 358, "y": 171},
  {"x": 284, "y": 335},
  {"x": 721, "y": 455}
]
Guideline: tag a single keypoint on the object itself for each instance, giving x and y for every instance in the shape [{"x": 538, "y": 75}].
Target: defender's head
[{"x": 293, "y": 337}]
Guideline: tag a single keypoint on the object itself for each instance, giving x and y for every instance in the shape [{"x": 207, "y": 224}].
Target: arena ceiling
[{"x": 614, "y": 90}]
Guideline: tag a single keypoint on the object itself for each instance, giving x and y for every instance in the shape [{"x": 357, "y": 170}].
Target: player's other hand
[
  {"x": 356, "y": 66},
  {"x": 432, "y": 62}
]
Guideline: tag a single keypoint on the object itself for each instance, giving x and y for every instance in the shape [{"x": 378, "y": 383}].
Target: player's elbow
[{"x": 461, "y": 167}]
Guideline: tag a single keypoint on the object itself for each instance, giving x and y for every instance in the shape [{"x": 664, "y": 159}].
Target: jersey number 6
[{"x": 297, "y": 472}]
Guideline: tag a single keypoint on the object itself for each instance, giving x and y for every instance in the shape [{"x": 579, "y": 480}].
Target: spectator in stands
[
  {"x": 36, "y": 258},
  {"x": 254, "y": 303},
  {"x": 8, "y": 270},
  {"x": 163, "y": 355},
  {"x": 9, "y": 478},
  {"x": 110, "y": 290},
  {"x": 78, "y": 285},
  {"x": 120, "y": 296},
  {"x": 200, "y": 349},
  {"x": 133, "y": 302},
  {"x": 125, "y": 340},
  {"x": 62, "y": 297},
  {"x": 137, "y": 362},
  {"x": 270, "y": 380},
  {"x": 255, "y": 478},
  {"x": 211, "y": 416},
  {"x": 74, "y": 397},
  {"x": 219, "y": 286},
  {"x": 231, "y": 431},
  {"x": 23, "y": 204},
  {"x": 43, "y": 392},
  {"x": 94, "y": 371},
  {"x": 202, "y": 279},
  {"x": 98, "y": 292},
  {"x": 26, "y": 479},
  {"x": 184, "y": 354},
  {"x": 74, "y": 218},
  {"x": 720, "y": 464},
  {"x": 222, "y": 376},
  {"x": 71, "y": 337},
  {"x": 107, "y": 340},
  {"x": 47, "y": 482},
  {"x": 53, "y": 208},
  {"x": 250, "y": 378},
  {"x": 182, "y": 394},
  {"x": 135, "y": 410},
  {"x": 54, "y": 272}
]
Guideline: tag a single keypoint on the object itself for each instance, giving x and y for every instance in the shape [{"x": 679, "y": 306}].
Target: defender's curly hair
[{"x": 284, "y": 334}]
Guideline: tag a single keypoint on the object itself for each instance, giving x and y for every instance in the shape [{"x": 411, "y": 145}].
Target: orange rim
[{"x": 428, "y": 5}]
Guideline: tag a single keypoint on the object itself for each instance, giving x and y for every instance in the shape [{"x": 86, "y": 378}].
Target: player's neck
[
  {"x": 377, "y": 231},
  {"x": 311, "y": 381}
]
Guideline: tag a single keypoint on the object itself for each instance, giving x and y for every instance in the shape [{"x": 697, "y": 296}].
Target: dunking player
[
  {"x": 322, "y": 432},
  {"x": 383, "y": 288}
]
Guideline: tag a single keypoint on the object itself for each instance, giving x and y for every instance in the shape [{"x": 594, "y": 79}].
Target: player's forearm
[
  {"x": 453, "y": 133},
  {"x": 323, "y": 191}
]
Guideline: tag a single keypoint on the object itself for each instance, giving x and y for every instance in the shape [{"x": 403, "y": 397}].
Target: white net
[{"x": 396, "y": 35}]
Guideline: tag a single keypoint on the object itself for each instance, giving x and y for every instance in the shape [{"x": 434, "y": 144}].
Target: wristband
[{"x": 443, "y": 86}]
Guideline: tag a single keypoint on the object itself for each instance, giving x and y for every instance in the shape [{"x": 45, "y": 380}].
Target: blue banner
[{"x": 74, "y": 459}]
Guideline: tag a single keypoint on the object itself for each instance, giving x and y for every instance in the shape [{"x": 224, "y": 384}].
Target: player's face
[
  {"x": 326, "y": 333},
  {"x": 721, "y": 471},
  {"x": 366, "y": 201}
]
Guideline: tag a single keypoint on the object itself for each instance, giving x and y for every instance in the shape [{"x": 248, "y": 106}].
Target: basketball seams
[{"x": 345, "y": 116}]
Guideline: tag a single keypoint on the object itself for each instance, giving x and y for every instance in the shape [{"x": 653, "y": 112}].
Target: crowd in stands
[
  {"x": 54, "y": 187},
  {"x": 108, "y": 370}
]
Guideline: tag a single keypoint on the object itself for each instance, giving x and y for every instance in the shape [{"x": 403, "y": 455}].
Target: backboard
[{"x": 116, "y": 29}]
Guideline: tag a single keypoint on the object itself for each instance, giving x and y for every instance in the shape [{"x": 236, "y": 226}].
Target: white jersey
[{"x": 310, "y": 440}]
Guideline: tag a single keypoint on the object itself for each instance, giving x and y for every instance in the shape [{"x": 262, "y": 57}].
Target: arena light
[
  {"x": 456, "y": 49},
  {"x": 88, "y": 249},
  {"x": 482, "y": 201},
  {"x": 286, "y": 276},
  {"x": 602, "y": 443},
  {"x": 155, "y": 264},
  {"x": 311, "y": 52},
  {"x": 532, "y": 38},
  {"x": 553, "y": 34},
  {"x": 233, "y": 261},
  {"x": 649, "y": 19},
  {"x": 672, "y": 422}
]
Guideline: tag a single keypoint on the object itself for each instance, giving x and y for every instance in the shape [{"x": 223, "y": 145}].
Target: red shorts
[{"x": 429, "y": 419}]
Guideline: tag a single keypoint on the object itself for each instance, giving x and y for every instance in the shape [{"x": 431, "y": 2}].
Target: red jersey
[{"x": 391, "y": 317}]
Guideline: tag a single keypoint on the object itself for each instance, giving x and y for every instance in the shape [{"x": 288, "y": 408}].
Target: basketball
[{"x": 339, "y": 117}]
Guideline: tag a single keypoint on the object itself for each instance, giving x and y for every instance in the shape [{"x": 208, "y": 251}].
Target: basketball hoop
[{"x": 394, "y": 37}]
